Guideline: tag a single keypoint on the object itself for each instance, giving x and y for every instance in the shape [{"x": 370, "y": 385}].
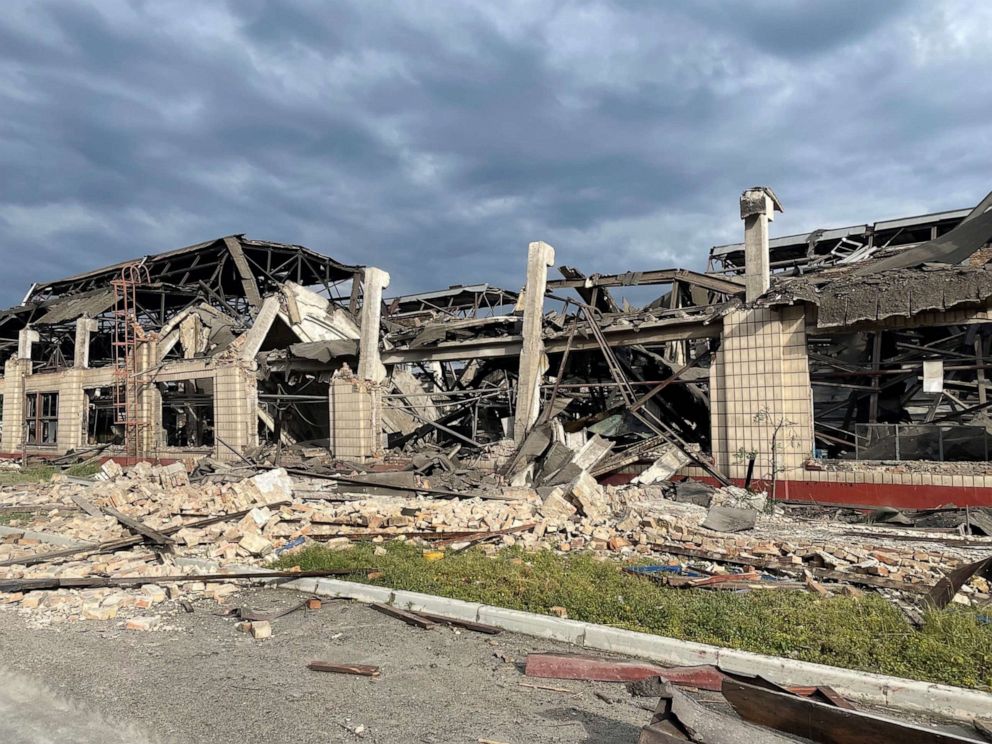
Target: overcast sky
[{"x": 437, "y": 139}]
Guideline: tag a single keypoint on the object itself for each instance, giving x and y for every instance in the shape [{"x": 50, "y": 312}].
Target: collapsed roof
[
  {"x": 231, "y": 275},
  {"x": 945, "y": 273}
]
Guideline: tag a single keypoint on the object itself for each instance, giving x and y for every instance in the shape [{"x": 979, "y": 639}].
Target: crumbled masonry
[{"x": 631, "y": 522}]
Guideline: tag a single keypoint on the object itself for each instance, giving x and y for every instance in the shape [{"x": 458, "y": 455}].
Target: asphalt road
[{"x": 204, "y": 681}]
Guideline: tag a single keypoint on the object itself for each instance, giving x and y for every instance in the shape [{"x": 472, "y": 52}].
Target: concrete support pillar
[
  {"x": 355, "y": 413},
  {"x": 533, "y": 362},
  {"x": 72, "y": 406},
  {"x": 758, "y": 207},
  {"x": 369, "y": 362},
  {"x": 760, "y": 396},
  {"x": 235, "y": 409},
  {"x": 14, "y": 373},
  {"x": 25, "y": 339},
  {"x": 84, "y": 328},
  {"x": 149, "y": 400}
]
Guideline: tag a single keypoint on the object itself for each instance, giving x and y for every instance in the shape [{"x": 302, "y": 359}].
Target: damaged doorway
[
  {"x": 188, "y": 412},
  {"x": 99, "y": 426}
]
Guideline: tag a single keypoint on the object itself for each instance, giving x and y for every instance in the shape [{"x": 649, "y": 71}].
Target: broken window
[
  {"x": 42, "y": 418},
  {"x": 99, "y": 425},
  {"x": 188, "y": 412}
]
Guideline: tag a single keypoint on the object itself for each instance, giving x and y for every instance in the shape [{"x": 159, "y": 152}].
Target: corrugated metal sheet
[{"x": 70, "y": 308}]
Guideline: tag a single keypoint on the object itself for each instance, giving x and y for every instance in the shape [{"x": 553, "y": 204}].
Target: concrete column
[
  {"x": 760, "y": 396},
  {"x": 533, "y": 362},
  {"x": 758, "y": 207},
  {"x": 355, "y": 413},
  {"x": 72, "y": 404},
  {"x": 81, "y": 355},
  {"x": 235, "y": 404},
  {"x": 369, "y": 364},
  {"x": 25, "y": 339},
  {"x": 148, "y": 400},
  {"x": 14, "y": 373}
]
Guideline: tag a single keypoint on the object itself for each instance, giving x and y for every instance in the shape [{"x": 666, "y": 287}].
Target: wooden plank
[
  {"x": 36, "y": 508},
  {"x": 137, "y": 526},
  {"x": 125, "y": 542},
  {"x": 86, "y": 505},
  {"x": 593, "y": 669},
  {"x": 825, "y": 723},
  {"x": 91, "y": 582},
  {"x": 680, "y": 718},
  {"x": 835, "y": 698},
  {"x": 984, "y": 727},
  {"x": 410, "y": 618},
  {"x": 459, "y": 623},
  {"x": 362, "y": 670},
  {"x": 945, "y": 589},
  {"x": 820, "y": 573}
]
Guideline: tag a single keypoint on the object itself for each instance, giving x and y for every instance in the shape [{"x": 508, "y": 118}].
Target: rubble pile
[{"x": 74, "y": 529}]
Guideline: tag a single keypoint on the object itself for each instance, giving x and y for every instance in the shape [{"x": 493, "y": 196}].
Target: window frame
[{"x": 41, "y": 414}]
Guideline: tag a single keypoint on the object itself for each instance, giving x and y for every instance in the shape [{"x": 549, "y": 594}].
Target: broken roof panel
[
  {"x": 454, "y": 298},
  {"x": 270, "y": 264},
  {"x": 955, "y": 247},
  {"x": 805, "y": 252},
  {"x": 849, "y": 298},
  {"x": 69, "y": 308}
]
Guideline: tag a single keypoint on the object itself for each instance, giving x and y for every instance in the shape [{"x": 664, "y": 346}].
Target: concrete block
[
  {"x": 149, "y": 622},
  {"x": 274, "y": 485},
  {"x": 301, "y": 585},
  {"x": 261, "y": 629},
  {"x": 589, "y": 495},
  {"x": 255, "y": 544},
  {"x": 646, "y": 646},
  {"x": 568, "y": 631},
  {"x": 437, "y": 605},
  {"x": 351, "y": 590},
  {"x": 556, "y": 505}
]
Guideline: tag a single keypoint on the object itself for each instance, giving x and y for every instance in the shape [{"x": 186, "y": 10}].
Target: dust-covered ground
[{"x": 204, "y": 681}]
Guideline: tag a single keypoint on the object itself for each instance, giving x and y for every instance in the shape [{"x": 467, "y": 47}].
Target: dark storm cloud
[{"x": 437, "y": 139}]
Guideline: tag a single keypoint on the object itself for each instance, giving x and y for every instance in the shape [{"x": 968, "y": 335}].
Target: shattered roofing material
[
  {"x": 324, "y": 351},
  {"x": 850, "y": 298},
  {"x": 185, "y": 266},
  {"x": 952, "y": 248},
  {"x": 457, "y": 297},
  {"x": 69, "y": 308}
]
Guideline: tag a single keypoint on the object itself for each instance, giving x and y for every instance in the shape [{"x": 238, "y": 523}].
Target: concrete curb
[{"x": 906, "y": 694}]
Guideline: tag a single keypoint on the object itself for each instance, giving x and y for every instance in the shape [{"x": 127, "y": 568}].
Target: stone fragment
[
  {"x": 255, "y": 544},
  {"x": 261, "y": 629},
  {"x": 173, "y": 476},
  {"x": 617, "y": 543},
  {"x": 146, "y": 622},
  {"x": 337, "y": 543},
  {"x": 99, "y": 612},
  {"x": 274, "y": 485},
  {"x": 590, "y": 497},
  {"x": 556, "y": 505}
]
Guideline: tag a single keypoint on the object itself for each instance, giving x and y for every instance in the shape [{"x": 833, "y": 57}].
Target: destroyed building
[{"x": 838, "y": 366}]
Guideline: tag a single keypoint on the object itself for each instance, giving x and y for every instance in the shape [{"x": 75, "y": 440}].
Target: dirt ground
[{"x": 203, "y": 681}]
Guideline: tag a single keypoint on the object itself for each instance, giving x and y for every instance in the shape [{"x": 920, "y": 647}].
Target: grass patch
[
  {"x": 8, "y": 517},
  {"x": 30, "y": 474},
  {"x": 867, "y": 633},
  {"x": 42, "y": 473}
]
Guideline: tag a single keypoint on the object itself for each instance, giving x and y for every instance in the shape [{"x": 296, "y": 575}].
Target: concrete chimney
[{"x": 758, "y": 207}]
